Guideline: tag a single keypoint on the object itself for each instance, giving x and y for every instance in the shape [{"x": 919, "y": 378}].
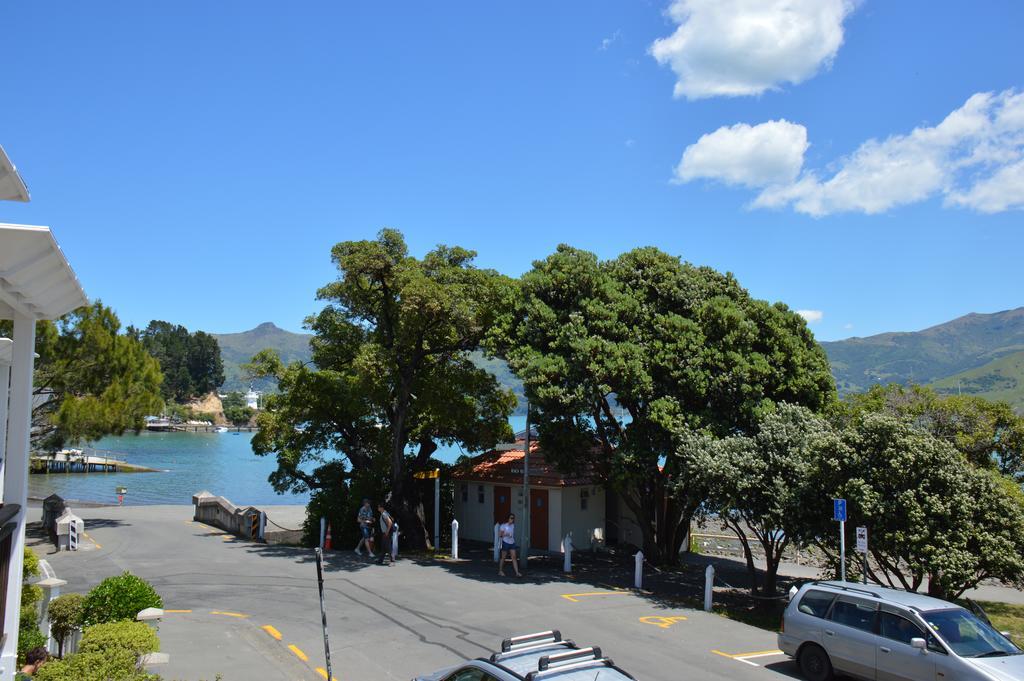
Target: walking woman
[{"x": 507, "y": 533}]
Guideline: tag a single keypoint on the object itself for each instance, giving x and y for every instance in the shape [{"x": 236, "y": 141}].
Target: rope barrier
[{"x": 286, "y": 529}]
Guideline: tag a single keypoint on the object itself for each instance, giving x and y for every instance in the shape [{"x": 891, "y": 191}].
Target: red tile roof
[{"x": 505, "y": 466}]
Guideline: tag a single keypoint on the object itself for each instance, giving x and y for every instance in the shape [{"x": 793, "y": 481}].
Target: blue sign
[{"x": 839, "y": 510}]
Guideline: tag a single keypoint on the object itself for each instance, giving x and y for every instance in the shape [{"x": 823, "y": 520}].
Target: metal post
[
  {"x": 323, "y": 609},
  {"x": 455, "y": 540},
  {"x": 865, "y": 569},
  {"x": 524, "y": 549},
  {"x": 437, "y": 512},
  {"x": 323, "y": 531},
  {"x": 394, "y": 543},
  {"x": 638, "y": 576},
  {"x": 842, "y": 550},
  {"x": 709, "y": 583},
  {"x": 497, "y": 543},
  {"x": 263, "y": 524}
]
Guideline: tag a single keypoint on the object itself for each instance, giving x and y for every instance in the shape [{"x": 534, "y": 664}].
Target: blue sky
[{"x": 197, "y": 160}]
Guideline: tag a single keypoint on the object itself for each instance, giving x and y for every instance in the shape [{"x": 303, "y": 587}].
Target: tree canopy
[
  {"x": 90, "y": 379},
  {"x": 392, "y": 376},
  {"x": 625, "y": 352},
  {"x": 191, "y": 362}
]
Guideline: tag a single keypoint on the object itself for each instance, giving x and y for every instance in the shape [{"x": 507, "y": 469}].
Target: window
[
  {"x": 584, "y": 499},
  {"x": 816, "y": 603},
  {"x": 464, "y": 489},
  {"x": 470, "y": 674},
  {"x": 853, "y": 614},
  {"x": 898, "y": 628},
  {"x": 480, "y": 493}
]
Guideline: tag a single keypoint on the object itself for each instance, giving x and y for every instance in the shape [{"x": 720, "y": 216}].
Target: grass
[{"x": 1006, "y": 617}]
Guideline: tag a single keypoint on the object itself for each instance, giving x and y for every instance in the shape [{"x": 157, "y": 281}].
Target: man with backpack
[{"x": 387, "y": 530}]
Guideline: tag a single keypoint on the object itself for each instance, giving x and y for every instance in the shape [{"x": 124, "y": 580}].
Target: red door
[
  {"x": 502, "y": 503},
  {"x": 539, "y": 519}
]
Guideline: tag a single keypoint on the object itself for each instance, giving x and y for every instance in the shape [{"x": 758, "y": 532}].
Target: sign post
[
  {"x": 862, "y": 549},
  {"x": 435, "y": 475},
  {"x": 839, "y": 514},
  {"x": 323, "y": 609},
  {"x": 121, "y": 491}
]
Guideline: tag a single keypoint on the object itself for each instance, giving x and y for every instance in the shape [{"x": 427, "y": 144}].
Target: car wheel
[{"x": 814, "y": 664}]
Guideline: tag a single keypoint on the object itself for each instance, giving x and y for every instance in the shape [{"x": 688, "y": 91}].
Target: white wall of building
[
  {"x": 476, "y": 518},
  {"x": 583, "y": 513}
]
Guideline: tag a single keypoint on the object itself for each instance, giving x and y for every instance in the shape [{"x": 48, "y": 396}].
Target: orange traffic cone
[{"x": 327, "y": 539}]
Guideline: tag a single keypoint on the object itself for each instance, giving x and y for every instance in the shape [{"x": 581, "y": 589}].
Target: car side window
[
  {"x": 815, "y": 602},
  {"x": 854, "y": 614},
  {"x": 470, "y": 674},
  {"x": 897, "y": 628}
]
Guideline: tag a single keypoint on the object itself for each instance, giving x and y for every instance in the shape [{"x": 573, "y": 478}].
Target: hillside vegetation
[{"x": 1002, "y": 379}]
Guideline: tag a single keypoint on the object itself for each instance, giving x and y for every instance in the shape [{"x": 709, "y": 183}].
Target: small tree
[
  {"x": 760, "y": 486},
  {"x": 119, "y": 598},
  {"x": 65, "y": 614}
]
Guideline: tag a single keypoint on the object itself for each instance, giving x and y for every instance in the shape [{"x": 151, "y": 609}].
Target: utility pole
[{"x": 524, "y": 548}]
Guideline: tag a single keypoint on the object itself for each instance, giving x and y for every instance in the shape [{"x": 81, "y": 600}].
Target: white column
[
  {"x": 5, "y": 379},
  {"x": 15, "y": 465}
]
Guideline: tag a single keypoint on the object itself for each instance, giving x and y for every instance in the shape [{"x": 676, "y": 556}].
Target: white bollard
[
  {"x": 455, "y": 540},
  {"x": 497, "y": 542},
  {"x": 394, "y": 543},
  {"x": 638, "y": 578},
  {"x": 709, "y": 582},
  {"x": 323, "y": 532},
  {"x": 263, "y": 524},
  {"x": 567, "y": 548}
]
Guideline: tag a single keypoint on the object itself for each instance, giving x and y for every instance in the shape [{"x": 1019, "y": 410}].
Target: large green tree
[
  {"x": 90, "y": 379},
  {"x": 392, "y": 376},
  {"x": 931, "y": 515},
  {"x": 191, "y": 362},
  {"x": 762, "y": 486},
  {"x": 626, "y": 352}
]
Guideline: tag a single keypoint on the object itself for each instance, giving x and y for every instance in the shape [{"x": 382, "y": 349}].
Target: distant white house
[
  {"x": 490, "y": 487},
  {"x": 252, "y": 399}
]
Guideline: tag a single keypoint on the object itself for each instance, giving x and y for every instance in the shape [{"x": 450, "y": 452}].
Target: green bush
[
  {"x": 136, "y": 637},
  {"x": 29, "y": 636},
  {"x": 31, "y": 568},
  {"x": 65, "y": 617},
  {"x": 119, "y": 598},
  {"x": 118, "y": 664}
]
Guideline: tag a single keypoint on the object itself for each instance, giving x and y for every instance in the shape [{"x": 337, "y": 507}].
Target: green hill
[
  {"x": 1002, "y": 379},
  {"x": 963, "y": 344},
  {"x": 238, "y": 348}
]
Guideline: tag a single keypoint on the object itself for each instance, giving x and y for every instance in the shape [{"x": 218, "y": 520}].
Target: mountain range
[{"x": 977, "y": 354}]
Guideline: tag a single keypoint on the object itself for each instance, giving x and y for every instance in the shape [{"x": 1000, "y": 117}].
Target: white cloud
[
  {"x": 745, "y": 47},
  {"x": 974, "y": 158},
  {"x": 847, "y": 326},
  {"x": 753, "y": 156},
  {"x": 812, "y": 316},
  {"x": 610, "y": 40}
]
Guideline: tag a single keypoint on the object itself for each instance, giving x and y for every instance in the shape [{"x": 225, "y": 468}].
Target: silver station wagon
[{"x": 870, "y": 632}]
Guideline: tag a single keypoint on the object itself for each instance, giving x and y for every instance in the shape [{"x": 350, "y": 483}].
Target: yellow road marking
[
  {"x": 323, "y": 672},
  {"x": 272, "y": 631},
  {"x": 229, "y": 614},
  {"x": 663, "y": 622},
  {"x": 227, "y": 537},
  {"x": 177, "y": 611},
  {"x": 575, "y": 598},
  {"x": 756, "y": 653},
  {"x": 298, "y": 652},
  {"x": 86, "y": 535}
]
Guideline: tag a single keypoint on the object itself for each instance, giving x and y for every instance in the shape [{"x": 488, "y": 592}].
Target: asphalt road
[{"x": 248, "y": 611}]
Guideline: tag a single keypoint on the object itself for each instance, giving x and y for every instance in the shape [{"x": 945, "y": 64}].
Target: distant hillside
[
  {"x": 238, "y": 348},
  {"x": 961, "y": 345},
  {"x": 1002, "y": 379}
]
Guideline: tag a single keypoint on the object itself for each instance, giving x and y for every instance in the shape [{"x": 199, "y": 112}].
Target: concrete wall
[
  {"x": 219, "y": 512},
  {"x": 476, "y": 519},
  {"x": 582, "y": 522}
]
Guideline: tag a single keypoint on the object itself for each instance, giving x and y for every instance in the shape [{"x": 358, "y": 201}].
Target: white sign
[{"x": 862, "y": 540}]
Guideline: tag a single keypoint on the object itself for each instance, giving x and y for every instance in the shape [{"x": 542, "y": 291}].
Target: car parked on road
[
  {"x": 891, "y": 635},
  {"x": 544, "y": 655}
]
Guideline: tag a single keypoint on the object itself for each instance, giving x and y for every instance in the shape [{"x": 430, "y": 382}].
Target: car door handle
[
  {"x": 829, "y": 633},
  {"x": 884, "y": 649}
]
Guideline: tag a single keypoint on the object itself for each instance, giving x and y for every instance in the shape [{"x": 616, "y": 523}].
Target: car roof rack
[
  {"x": 839, "y": 585},
  {"x": 530, "y": 642},
  {"x": 583, "y": 658}
]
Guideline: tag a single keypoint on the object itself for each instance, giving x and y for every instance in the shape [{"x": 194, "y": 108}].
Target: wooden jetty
[
  {"x": 76, "y": 461},
  {"x": 164, "y": 426}
]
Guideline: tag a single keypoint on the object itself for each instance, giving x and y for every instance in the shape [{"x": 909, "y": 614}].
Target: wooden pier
[
  {"x": 73, "y": 462},
  {"x": 168, "y": 427}
]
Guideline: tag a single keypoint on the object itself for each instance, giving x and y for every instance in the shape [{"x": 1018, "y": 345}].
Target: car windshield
[{"x": 967, "y": 635}]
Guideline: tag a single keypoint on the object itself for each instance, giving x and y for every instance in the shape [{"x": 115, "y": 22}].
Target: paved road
[{"x": 249, "y": 611}]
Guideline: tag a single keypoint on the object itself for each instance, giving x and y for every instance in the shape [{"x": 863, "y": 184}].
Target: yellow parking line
[
  {"x": 272, "y": 631},
  {"x": 575, "y": 598},
  {"x": 756, "y": 653},
  {"x": 177, "y": 611},
  {"x": 298, "y": 652},
  {"x": 229, "y": 614},
  {"x": 86, "y": 535},
  {"x": 323, "y": 672}
]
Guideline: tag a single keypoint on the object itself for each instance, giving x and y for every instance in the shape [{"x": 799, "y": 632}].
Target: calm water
[{"x": 222, "y": 463}]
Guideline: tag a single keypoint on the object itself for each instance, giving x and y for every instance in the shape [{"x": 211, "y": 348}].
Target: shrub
[
  {"x": 31, "y": 568},
  {"x": 136, "y": 637},
  {"x": 119, "y": 598},
  {"x": 114, "y": 665},
  {"x": 29, "y": 636},
  {"x": 65, "y": 617}
]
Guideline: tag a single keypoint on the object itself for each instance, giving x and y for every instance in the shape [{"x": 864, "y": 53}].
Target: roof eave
[{"x": 12, "y": 187}]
